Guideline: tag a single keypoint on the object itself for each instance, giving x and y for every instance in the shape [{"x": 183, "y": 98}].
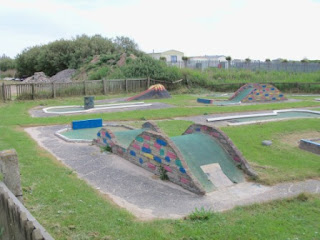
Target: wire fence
[
  {"x": 278, "y": 66},
  {"x": 253, "y": 66}
]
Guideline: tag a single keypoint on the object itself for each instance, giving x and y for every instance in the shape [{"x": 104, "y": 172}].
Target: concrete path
[{"x": 145, "y": 195}]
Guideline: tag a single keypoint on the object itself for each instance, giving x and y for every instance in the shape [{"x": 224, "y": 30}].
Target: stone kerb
[
  {"x": 156, "y": 153},
  {"x": 226, "y": 143},
  {"x": 9, "y": 166},
  {"x": 311, "y": 145}
]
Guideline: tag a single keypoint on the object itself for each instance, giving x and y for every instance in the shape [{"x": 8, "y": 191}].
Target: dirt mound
[
  {"x": 95, "y": 59},
  {"x": 122, "y": 60},
  {"x": 132, "y": 56},
  {"x": 38, "y": 77},
  {"x": 63, "y": 76}
]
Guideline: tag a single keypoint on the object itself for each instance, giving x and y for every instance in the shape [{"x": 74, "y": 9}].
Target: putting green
[{"x": 200, "y": 149}]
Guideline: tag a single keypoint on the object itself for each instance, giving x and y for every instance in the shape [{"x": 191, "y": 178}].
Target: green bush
[
  {"x": 6, "y": 63},
  {"x": 116, "y": 74},
  {"x": 105, "y": 58},
  {"x": 99, "y": 73},
  {"x": 61, "y": 54}
]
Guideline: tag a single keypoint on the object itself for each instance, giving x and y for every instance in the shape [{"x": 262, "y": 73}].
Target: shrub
[
  {"x": 61, "y": 54},
  {"x": 201, "y": 214},
  {"x": 6, "y": 63},
  {"x": 99, "y": 73}
]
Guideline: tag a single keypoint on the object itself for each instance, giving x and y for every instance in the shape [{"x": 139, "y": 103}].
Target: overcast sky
[{"x": 257, "y": 29}]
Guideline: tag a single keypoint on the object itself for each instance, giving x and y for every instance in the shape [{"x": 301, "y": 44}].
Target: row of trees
[
  {"x": 7, "y": 63},
  {"x": 62, "y": 54}
]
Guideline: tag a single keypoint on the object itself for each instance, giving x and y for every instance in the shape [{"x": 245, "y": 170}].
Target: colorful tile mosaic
[{"x": 154, "y": 151}]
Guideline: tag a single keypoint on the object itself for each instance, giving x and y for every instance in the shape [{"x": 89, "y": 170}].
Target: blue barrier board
[{"x": 90, "y": 123}]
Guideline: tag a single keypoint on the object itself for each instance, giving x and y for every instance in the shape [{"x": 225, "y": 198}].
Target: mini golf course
[
  {"x": 201, "y": 160},
  {"x": 250, "y": 93}
]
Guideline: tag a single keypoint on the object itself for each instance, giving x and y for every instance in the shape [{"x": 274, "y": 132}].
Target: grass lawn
[
  {"x": 70, "y": 209},
  {"x": 281, "y": 161}
]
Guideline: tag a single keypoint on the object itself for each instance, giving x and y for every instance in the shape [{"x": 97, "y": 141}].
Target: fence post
[
  {"x": 32, "y": 91},
  {"x": 104, "y": 87},
  {"x": 84, "y": 88},
  {"x": 3, "y": 92},
  {"x": 148, "y": 83},
  {"x": 126, "y": 85},
  {"x": 9, "y": 166},
  {"x": 53, "y": 90}
]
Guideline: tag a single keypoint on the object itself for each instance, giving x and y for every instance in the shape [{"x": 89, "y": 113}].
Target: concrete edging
[
  {"x": 107, "y": 106},
  {"x": 273, "y": 113}
]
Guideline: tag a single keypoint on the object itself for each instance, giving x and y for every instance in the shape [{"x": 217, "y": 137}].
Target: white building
[{"x": 172, "y": 56}]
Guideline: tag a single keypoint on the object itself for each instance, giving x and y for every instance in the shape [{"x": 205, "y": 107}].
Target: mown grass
[
  {"x": 70, "y": 209},
  {"x": 280, "y": 161}
]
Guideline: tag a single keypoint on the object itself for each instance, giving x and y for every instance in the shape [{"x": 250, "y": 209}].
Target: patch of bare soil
[{"x": 294, "y": 138}]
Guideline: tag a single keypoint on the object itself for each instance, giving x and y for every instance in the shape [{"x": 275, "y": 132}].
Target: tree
[
  {"x": 267, "y": 60},
  {"x": 61, "y": 54},
  {"x": 248, "y": 60},
  {"x": 126, "y": 45},
  {"x": 6, "y": 63},
  {"x": 305, "y": 60}
]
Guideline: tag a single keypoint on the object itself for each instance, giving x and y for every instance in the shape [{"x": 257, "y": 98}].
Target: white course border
[
  {"x": 273, "y": 113},
  {"x": 98, "y": 107}
]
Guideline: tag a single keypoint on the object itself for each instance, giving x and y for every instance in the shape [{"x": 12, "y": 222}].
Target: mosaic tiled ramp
[
  {"x": 180, "y": 158},
  {"x": 156, "y": 91},
  {"x": 251, "y": 92},
  {"x": 258, "y": 93}
]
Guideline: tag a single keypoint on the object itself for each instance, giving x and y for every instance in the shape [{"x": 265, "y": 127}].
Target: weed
[
  {"x": 163, "y": 173},
  {"x": 201, "y": 214},
  {"x": 107, "y": 148},
  {"x": 303, "y": 197}
]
